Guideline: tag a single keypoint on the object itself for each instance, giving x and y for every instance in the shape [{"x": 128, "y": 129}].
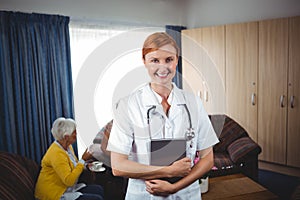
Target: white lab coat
[{"x": 130, "y": 133}]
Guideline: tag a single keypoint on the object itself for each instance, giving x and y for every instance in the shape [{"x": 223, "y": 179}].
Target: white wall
[{"x": 216, "y": 12}]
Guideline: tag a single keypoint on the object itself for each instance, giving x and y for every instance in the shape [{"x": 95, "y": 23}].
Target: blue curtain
[
  {"x": 175, "y": 33},
  {"x": 36, "y": 80}
]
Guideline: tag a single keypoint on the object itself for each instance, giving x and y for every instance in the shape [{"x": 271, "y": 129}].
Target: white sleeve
[{"x": 121, "y": 135}]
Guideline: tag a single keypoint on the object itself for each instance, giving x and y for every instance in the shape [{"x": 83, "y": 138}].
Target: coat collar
[{"x": 150, "y": 99}]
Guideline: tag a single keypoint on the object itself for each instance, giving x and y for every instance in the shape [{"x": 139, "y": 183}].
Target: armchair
[
  {"x": 18, "y": 176},
  {"x": 236, "y": 152}
]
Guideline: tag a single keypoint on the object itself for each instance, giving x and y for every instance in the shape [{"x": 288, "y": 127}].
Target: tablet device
[{"x": 166, "y": 151}]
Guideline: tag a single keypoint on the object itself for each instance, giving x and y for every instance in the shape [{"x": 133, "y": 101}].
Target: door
[
  {"x": 241, "y": 75},
  {"x": 293, "y": 137},
  {"x": 203, "y": 68},
  {"x": 191, "y": 76},
  {"x": 272, "y": 89}
]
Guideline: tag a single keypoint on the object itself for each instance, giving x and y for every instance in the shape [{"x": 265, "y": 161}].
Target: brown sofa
[
  {"x": 18, "y": 176},
  {"x": 236, "y": 152}
]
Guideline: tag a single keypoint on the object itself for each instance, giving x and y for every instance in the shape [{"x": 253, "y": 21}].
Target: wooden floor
[{"x": 236, "y": 187}]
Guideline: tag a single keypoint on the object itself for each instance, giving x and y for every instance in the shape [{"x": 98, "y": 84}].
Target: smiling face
[
  {"x": 160, "y": 56},
  {"x": 161, "y": 65}
]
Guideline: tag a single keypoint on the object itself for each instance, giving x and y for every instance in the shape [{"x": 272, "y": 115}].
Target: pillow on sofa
[
  {"x": 231, "y": 131},
  {"x": 18, "y": 176},
  {"x": 241, "y": 147},
  {"x": 100, "y": 134},
  {"x": 217, "y": 122},
  {"x": 98, "y": 148}
]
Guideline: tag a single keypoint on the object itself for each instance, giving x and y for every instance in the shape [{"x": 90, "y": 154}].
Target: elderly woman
[{"x": 61, "y": 168}]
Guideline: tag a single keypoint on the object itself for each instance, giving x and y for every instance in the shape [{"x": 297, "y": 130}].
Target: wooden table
[{"x": 236, "y": 187}]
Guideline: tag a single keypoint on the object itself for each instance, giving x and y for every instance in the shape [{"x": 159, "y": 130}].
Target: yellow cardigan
[{"x": 57, "y": 173}]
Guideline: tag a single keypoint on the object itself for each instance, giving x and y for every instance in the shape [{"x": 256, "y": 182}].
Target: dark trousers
[
  {"x": 92, "y": 192},
  {"x": 114, "y": 187}
]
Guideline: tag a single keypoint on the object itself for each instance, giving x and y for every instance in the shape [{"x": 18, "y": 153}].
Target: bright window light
[{"x": 111, "y": 57}]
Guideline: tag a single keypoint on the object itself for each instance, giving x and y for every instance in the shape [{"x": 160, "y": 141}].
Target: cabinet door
[
  {"x": 191, "y": 76},
  {"x": 272, "y": 88},
  {"x": 241, "y": 74},
  {"x": 293, "y": 147},
  {"x": 204, "y": 65},
  {"x": 213, "y": 65}
]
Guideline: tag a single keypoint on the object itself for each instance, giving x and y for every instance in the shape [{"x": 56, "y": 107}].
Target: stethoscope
[{"x": 189, "y": 134}]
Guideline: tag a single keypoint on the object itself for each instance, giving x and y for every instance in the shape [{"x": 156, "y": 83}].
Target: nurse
[{"x": 160, "y": 110}]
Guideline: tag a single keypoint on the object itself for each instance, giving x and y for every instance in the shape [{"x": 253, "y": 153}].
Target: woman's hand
[
  {"x": 86, "y": 155},
  {"x": 180, "y": 168},
  {"x": 159, "y": 187}
]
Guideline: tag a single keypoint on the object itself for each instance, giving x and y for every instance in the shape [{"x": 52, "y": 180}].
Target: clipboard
[{"x": 166, "y": 151}]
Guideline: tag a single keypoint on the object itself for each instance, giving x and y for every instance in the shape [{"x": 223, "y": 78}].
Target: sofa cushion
[
  {"x": 222, "y": 161},
  {"x": 104, "y": 131},
  {"x": 231, "y": 131},
  {"x": 99, "y": 136},
  {"x": 218, "y": 122},
  {"x": 239, "y": 149},
  {"x": 18, "y": 176}
]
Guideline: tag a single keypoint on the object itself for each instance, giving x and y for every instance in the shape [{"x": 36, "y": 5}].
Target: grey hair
[{"x": 62, "y": 126}]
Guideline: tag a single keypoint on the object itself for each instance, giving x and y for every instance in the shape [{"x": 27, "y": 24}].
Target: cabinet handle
[
  {"x": 292, "y": 101},
  {"x": 282, "y": 101},
  {"x": 205, "y": 95},
  {"x": 253, "y": 99}
]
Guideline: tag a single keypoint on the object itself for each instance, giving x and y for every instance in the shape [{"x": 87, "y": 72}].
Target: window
[{"x": 106, "y": 65}]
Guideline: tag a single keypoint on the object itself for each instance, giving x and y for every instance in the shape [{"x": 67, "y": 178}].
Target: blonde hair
[
  {"x": 157, "y": 40},
  {"x": 62, "y": 126}
]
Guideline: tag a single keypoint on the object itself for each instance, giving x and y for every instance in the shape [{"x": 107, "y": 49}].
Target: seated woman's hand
[
  {"x": 181, "y": 167},
  {"x": 87, "y": 155}
]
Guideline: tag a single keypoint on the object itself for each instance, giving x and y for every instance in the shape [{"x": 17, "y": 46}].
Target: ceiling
[{"x": 190, "y": 13}]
